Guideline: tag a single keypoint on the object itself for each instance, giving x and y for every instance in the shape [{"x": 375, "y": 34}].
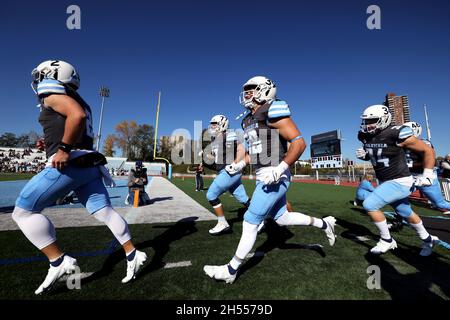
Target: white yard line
[
  {"x": 359, "y": 238},
  {"x": 180, "y": 264},
  {"x": 81, "y": 275}
]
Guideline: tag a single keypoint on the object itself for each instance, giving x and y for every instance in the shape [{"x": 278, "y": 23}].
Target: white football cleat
[
  {"x": 134, "y": 265},
  {"x": 427, "y": 247},
  {"x": 219, "y": 228},
  {"x": 67, "y": 266},
  {"x": 220, "y": 273},
  {"x": 329, "y": 231},
  {"x": 383, "y": 246}
]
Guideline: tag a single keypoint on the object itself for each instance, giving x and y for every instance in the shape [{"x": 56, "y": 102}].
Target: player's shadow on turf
[
  {"x": 416, "y": 285},
  {"x": 160, "y": 244},
  {"x": 400, "y": 286},
  {"x": 159, "y": 199},
  {"x": 431, "y": 268},
  {"x": 360, "y": 210},
  {"x": 239, "y": 217},
  {"x": 276, "y": 238},
  {"x": 354, "y": 230}
]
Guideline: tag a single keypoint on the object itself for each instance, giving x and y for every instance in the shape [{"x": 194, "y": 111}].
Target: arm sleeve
[
  {"x": 144, "y": 176},
  {"x": 131, "y": 178}
]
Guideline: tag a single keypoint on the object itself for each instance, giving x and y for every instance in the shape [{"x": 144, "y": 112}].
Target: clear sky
[{"x": 327, "y": 65}]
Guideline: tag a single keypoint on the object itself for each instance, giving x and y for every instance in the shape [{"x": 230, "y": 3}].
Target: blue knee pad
[{"x": 403, "y": 208}]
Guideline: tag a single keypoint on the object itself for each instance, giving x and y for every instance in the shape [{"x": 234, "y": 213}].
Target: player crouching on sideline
[
  {"x": 415, "y": 164},
  {"x": 72, "y": 165},
  {"x": 383, "y": 145},
  {"x": 224, "y": 149},
  {"x": 268, "y": 128},
  {"x": 364, "y": 189}
]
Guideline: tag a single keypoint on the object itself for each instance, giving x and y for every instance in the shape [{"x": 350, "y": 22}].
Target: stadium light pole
[
  {"x": 427, "y": 123},
  {"x": 104, "y": 93},
  {"x": 169, "y": 173},
  {"x": 156, "y": 125}
]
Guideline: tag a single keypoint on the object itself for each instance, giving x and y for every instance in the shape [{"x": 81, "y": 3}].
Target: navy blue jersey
[
  {"x": 224, "y": 150},
  {"x": 53, "y": 123},
  {"x": 264, "y": 145},
  {"x": 388, "y": 159}
]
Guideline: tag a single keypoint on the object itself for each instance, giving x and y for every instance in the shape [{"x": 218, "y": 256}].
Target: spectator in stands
[
  {"x": 40, "y": 145},
  {"x": 198, "y": 177},
  {"x": 137, "y": 180}
]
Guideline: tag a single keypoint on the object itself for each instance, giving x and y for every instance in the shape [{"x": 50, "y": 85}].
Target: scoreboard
[{"x": 326, "y": 150}]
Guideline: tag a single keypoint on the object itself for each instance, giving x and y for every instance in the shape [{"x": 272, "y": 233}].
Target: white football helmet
[
  {"x": 257, "y": 91},
  {"x": 218, "y": 124},
  {"x": 376, "y": 117},
  {"x": 58, "y": 70},
  {"x": 415, "y": 126}
]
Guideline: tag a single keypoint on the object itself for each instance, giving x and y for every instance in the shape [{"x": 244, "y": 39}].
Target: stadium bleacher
[
  {"x": 122, "y": 167},
  {"x": 115, "y": 163},
  {"x": 21, "y": 160},
  {"x": 33, "y": 160}
]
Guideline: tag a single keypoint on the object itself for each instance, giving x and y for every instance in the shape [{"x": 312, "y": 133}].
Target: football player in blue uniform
[
  {"x": 223, "y": 150},
  {"x": 72, "y": 164},
  {"x": 384, "y": 145},
  {"x": 415, "y": 164},
  {"x": 364, "y": 189},
  {"x": 268, "y": 129}
]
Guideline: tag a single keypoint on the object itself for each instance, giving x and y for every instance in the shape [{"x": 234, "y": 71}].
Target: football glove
[
  {"x": 235, "y": 167},
  {"x": 424, "y": 180},
  {"x": 361, "y": 153},
  {"x": 273, "y": 175}
]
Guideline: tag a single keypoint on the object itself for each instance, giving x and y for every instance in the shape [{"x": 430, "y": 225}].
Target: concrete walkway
[{"x": 170, "y": 204}]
